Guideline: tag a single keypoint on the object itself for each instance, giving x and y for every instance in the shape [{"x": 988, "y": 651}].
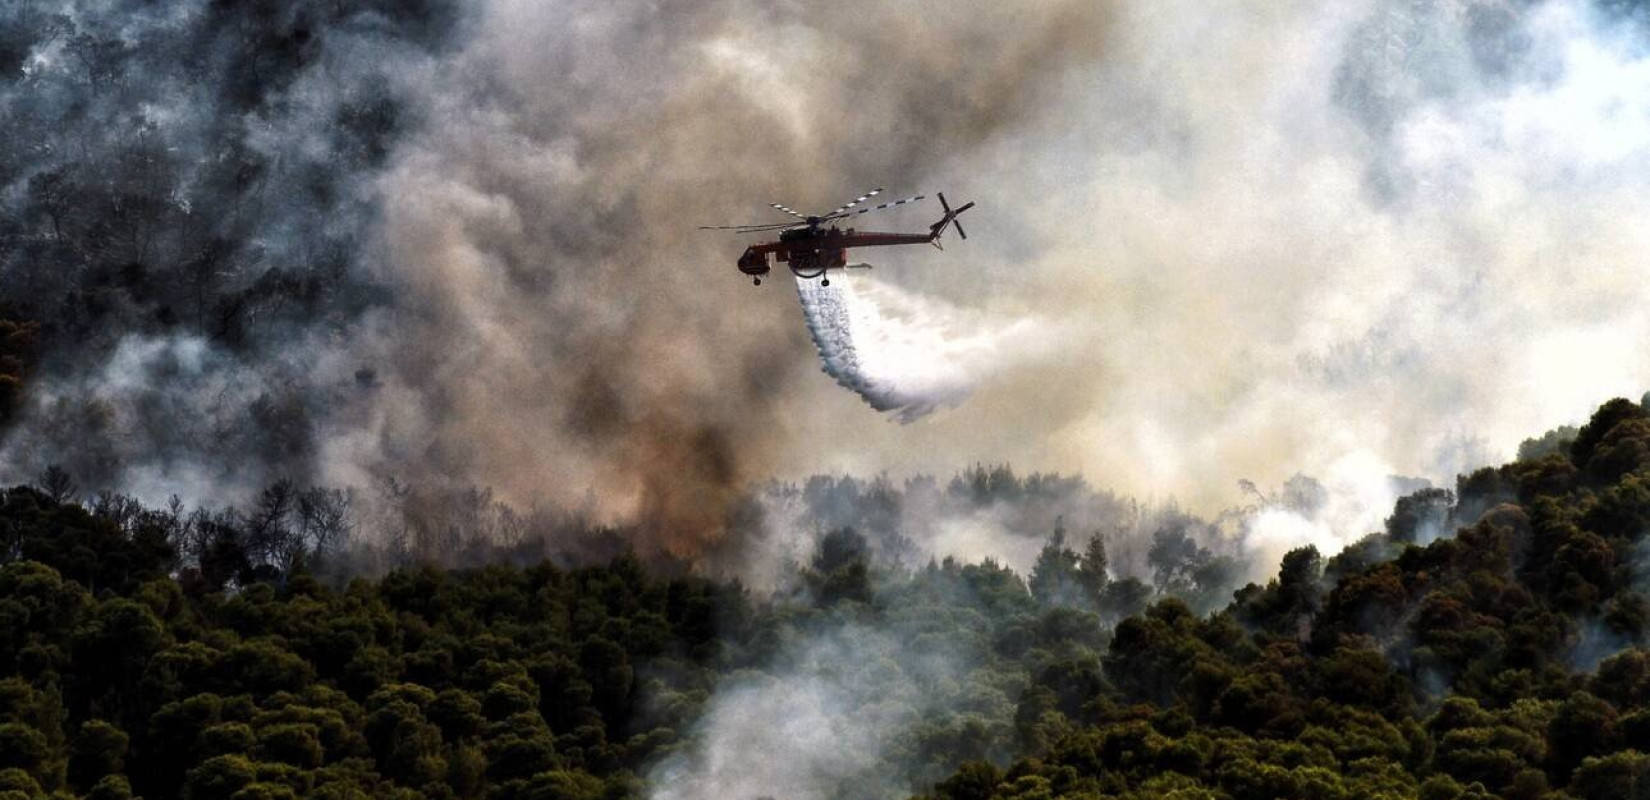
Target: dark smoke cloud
[
  {"x": 347, "y": 245},
  {"x": 458, "y": 250},
  {"x": 184, "y": 210},
  {"x": 540, "y": 240}
]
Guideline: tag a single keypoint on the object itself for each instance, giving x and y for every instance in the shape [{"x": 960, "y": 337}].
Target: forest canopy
[
  {"x": 1501, "y": 657},
  {"x": 287, "y": 285}
]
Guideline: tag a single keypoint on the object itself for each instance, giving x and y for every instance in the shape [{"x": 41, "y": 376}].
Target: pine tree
[
  {"x": 1054, "y": 577},
  {"x": 1093, "y": 565}
]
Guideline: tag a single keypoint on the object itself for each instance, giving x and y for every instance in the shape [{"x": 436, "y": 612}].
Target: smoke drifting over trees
[
  {"x": 184, "y": 219},
  {"x": 1502, "y": 658},
  {"x": 448, "y": 249},
  {"x": 386, "y": 430}
]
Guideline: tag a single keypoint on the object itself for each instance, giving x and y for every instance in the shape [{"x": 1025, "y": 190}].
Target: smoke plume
[
  {"x": 458, "y": 249},
  {"x": 825, "y": 720},
  {"x": 402, "y": 245}
]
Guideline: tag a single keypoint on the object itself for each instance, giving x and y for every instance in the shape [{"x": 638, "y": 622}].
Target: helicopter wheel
[
  {"x": 757, "y": 281},
  {"x": 824, "y": 281}
]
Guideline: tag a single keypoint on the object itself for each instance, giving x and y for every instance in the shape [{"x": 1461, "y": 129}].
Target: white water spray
[{"x": 906, "y": 353}]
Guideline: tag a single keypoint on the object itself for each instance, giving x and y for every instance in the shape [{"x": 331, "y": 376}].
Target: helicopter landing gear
[
  {"x": 824, "y": 281},
  {"x": 756, "y": 281}
]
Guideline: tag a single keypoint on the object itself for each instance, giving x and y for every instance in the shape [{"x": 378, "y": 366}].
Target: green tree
[
  {"x": 1055, "y": 578},
  {"x": 98, "y": 750},
  {"x": 1094, "y": 570}
]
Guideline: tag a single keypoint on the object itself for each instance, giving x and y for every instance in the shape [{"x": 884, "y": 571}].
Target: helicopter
[{"x": 812, "y": 250}]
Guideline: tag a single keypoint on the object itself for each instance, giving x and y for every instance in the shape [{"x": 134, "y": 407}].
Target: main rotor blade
[
  {"x": 856, "y": 201},
  {"x": 790, "y": 211},
  {"x": 876, "y": 208},
  {"x": 766, "y": 226}
]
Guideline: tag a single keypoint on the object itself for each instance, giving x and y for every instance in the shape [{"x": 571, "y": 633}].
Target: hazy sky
[
  {"x": 1212, "y": 242},
  {"x": 1339, "y": 238}
]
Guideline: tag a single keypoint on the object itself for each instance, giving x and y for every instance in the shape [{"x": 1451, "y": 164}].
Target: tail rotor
[{"x": 950, "y": 218}]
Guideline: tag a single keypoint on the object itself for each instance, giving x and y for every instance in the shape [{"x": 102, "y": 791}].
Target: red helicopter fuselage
[{"x": 812, "y": 251}]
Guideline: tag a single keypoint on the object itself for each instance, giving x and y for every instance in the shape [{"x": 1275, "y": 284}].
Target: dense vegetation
[
  {"x": 1503, "y": 661},
  {"x": 1498, "y": 660}
]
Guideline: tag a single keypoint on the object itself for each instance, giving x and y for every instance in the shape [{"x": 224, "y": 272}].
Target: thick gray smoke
[
  {"x": 561, "y": 329},
  {"x": 1338, "y": 239},
  {"x": 185, "y": 209},
  {"x": 1351, "y": 239}
]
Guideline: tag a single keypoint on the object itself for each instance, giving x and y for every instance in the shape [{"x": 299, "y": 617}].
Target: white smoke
[
  {"x": 852, "y": 710},
  {"x": 908, "y": 353},
  {"x": 802, "y": 732},
  {"x": 1357, "y": 495},
  {"x": 1267, "y": 238}
]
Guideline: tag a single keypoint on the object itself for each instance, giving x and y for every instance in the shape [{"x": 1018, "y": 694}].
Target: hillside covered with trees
[{"x": 1486, "y": 644}]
